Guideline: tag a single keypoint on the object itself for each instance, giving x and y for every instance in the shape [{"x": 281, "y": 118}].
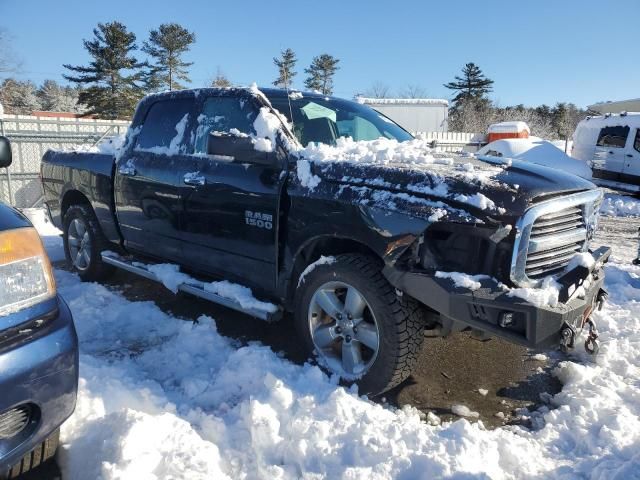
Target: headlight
[{"x": 26, "y": 277}]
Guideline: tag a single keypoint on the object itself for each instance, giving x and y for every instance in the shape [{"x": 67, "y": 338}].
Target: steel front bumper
[
  {"x": 40, "y": 371},
  {"x": 486, "y": 308}
]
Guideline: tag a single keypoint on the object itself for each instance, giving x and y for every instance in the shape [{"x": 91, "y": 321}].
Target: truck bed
[{"x": 89, "y": 173}]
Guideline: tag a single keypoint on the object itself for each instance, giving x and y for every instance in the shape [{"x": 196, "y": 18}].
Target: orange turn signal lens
[{"x": 26, "y": 276}]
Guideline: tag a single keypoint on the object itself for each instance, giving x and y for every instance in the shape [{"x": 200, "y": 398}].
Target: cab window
[
  {"x": 636, "y": 142},
  {"x": 165, "y": 125},
  {"x": 223, "y": 114},
  {"x": 614, "y": 137}
]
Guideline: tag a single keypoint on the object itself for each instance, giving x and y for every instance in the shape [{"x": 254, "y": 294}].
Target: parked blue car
[{"x": 38, "y": 347}]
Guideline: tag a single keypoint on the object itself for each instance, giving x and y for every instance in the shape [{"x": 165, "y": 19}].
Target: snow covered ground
[{"x": 164, "y": 398}]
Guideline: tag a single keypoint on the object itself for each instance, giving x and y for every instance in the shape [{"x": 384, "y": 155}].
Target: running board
[{"x": 193, "y": 290}]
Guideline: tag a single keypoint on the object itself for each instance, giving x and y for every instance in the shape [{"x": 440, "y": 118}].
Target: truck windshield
[{"x": 324, "y": 120}]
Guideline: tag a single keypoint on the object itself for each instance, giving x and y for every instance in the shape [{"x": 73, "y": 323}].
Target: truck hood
[{"x": 484, "y": 186}]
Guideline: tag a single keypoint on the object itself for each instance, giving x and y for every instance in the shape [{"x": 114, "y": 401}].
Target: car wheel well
[
  {"x": 72, "y": 197},
  {"x": 324, "y": 246}
]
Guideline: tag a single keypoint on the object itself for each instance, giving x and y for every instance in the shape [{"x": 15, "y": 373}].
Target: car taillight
[{"x": 26, "y": 277}]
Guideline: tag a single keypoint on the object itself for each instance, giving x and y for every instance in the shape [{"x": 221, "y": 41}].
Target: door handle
[
  {"x": 127, "y": 170},
  {"x": 194, "y": 179},
  {"x": 629, "y": 155},
  {"x": 610, "y": 152}
]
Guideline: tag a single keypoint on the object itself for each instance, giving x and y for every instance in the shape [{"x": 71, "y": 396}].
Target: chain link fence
[{"x": 31, "y": 137}]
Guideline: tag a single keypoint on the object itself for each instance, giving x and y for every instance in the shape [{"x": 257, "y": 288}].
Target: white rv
[{"x": 610, "y": 144}]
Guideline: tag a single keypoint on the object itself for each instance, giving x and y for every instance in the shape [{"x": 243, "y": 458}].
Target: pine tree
[
  {"x": 167, "y": 45},
  {"x": 19, "y": 97},
  {"x": 320, "y": 73},
  {"x": 285, "y": 64},
  {"x": 113, "y": 76},
  {"x": 221, "y": 80},
  {"x": 473, "y": 85},
  {"x": 56, "y": 98}
]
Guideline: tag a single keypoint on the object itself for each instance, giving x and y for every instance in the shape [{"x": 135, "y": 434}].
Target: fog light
[{"x": 506, "y": 319}]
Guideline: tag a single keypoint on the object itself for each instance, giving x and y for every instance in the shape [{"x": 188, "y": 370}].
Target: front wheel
[
  {"x": 83, "y": 244},
  {"x": 357, "y": 326}
]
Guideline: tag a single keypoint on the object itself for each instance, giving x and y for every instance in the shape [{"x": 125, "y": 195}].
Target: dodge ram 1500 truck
[{"x": 335, "y": 213}]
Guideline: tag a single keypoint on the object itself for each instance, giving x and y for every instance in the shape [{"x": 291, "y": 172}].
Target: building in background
[
  {"x": 413, "y": 114},
  {"x": 619, "y": 106}
]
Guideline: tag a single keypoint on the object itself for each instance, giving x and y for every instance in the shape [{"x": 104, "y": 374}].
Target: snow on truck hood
[{"x": 489, "y": 185}]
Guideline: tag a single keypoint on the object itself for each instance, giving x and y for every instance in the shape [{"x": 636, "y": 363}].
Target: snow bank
[
  {"x": 164, "y": 398},
  {"x": 620, "y": 206},
  {"x": 49, "y": 234}
]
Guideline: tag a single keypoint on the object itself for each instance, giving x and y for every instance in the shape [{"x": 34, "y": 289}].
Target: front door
[
  {"x": 147, "y": 185},
  {"x": 231, "y": 208},
  {"x": 631, "y": 170},
  {"x": 609, "y": 156}
]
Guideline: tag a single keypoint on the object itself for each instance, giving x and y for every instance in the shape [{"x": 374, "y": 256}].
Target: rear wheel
[
  {"x": 356, "y": 325},
  {"x": 84, "y": 243}
]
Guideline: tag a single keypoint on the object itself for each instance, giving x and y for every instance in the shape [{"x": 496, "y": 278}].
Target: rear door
[
  {"x": 231, "y": 208},
  {"x": 631, "y": 170},
  {"x": 147, "y": 185},
  {"x": 609, "y": 155}
]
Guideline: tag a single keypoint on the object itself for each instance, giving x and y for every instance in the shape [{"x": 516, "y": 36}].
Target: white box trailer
[{"x": 413, "y": 114}]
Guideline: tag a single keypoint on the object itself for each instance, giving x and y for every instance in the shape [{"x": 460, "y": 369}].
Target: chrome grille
[
  {"x": 550, "y": 233},
  {"x": 554, "y": 239},
  {"x": 14, "y": 421}
]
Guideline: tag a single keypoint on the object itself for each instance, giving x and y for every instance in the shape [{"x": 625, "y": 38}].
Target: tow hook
[
  {"x": 601, "y": 298},
  {"x": 591, "y": 344},
  {"x": 567, "y": 338}
]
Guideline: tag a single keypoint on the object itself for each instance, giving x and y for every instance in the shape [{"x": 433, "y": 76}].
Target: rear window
[
  {"x": 614, "y": 137},
  {"x": 224, "y": 114},
  {"x": 165, "y": 122}
]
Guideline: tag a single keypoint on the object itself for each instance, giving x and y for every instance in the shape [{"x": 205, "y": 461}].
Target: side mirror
[
  {"x": 5, "y": 152},
  {"x": 236, "y": 148}
]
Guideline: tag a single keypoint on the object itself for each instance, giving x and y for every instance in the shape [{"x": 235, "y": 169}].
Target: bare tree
[
  {"x": 378, "y": 90},
  {"x": 413, "y": 91}
]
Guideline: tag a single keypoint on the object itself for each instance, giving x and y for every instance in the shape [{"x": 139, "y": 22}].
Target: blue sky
[{"x": 540, "y": 52}]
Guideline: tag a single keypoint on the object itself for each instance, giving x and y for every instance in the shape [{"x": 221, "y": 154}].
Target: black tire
[
  {"x": 95, "y": 268},
  {"x": 33, "y": 461},
  {"x": 399, "y": 319}
]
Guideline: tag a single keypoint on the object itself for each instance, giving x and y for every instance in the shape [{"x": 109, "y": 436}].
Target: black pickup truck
[{"x": 333, "y": 212}]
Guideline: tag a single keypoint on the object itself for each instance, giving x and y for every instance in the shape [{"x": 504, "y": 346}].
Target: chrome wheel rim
[
  {"x": 344, "y": 329},
  {"x": 79, "y": 244}
]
